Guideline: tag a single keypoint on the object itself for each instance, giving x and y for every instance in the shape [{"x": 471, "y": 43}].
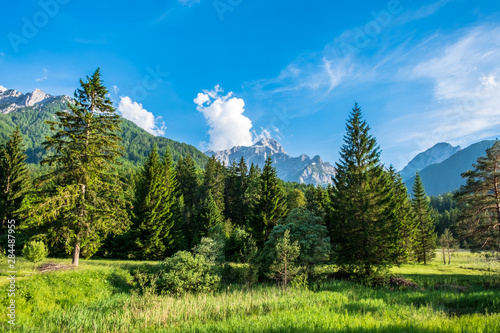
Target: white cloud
[
  {"x": 134, "y": 112},
  {"x": 116, "y": 89},
  {"x": 44, "y": 76},
  {"x": 464, "y": 74},
  {"x": 224, "y": 114}
]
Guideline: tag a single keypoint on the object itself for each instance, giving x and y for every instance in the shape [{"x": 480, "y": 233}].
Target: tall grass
[{"x": 100, "y": 298}]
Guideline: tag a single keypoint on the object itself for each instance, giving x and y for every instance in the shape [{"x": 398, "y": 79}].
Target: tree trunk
[
  {"x": 449, "y": 256},
  {"x": 76, "y": 253},
  {"x": 444, "y": 256}
]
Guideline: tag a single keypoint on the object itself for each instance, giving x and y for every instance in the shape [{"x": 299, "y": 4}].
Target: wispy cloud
[
  {"x": 136, "y": 113},
  {"x": 465, "y": 75},
  {"x": 43, "y": 77}
]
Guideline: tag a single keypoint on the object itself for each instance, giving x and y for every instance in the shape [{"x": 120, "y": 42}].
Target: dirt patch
[
  {"x": 402, "y": 283},
  {"x": 52, "y": 267}
]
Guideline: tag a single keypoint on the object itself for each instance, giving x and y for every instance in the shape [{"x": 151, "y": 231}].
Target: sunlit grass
[{"x": 97, "y": 297}]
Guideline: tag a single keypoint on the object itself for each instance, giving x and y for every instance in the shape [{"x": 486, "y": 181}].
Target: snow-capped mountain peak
[{"x": 2, "y": 89}]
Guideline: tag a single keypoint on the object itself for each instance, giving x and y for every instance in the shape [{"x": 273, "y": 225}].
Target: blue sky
[{"x": 218, "y": 73}]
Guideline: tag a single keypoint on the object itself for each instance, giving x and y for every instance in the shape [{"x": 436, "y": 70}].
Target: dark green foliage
[
  {"x": 236, "y": 185},
  {"x": 210, "y": 216},
  {"x": 14, "y": 178},
  {"x": 271, "y": 205},
  {"x": 82, "y": 200},
  {"x": 444, "y": 212},
  {"x": 365, "y": 233},
  {"x": 183, "y": 273},
  {"x": 317, "y": 200},
  {"x": 154, "y": 207},
  {"x": 403, "y": 213},
  {"x": 425, "y": 240},
  {"x": 479, "y": 201},
  {"x": 189, "y": 192},
  {"x": 311, "y": 234},
  {"x": 214, "y": 182},
  {"x": 284, "y": 267},
  {"x": 238, "y": 245}
]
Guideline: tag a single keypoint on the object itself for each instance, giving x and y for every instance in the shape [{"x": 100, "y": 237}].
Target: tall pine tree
[
  {"x": 14, "y": 178},
  {"x": 425, "y": 237},
  {"x": 479, "y": 202},
  {"x": 271, "y": 205},
  {"x": 363, "y": 228},
  {"x": 83, "y": 201},
  {"x": 155, "y": 198},
  {"x": 403, "y": 213}
]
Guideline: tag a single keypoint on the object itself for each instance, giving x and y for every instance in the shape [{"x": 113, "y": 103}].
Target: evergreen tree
[
  {"x": 479, "y": 202},
  {"x": 425, "y": 239},
  {"x": 271, "y": 205},
  {"x": 403, "y": 214},
  {"x": 295, "y": 199},
  {"x": 188, "y": 190},
  {"x": 13, "y": 178},
  {"x": 284, "y": 268},
  {"x": 213, "y": 181},
  {"x": 210, "y": 216},
  {"x": 363, "y": 228},
  {"x": 155, "y": 198},
  {"x": 236, "y": 186},
  {"x": 83, "y": 201}
]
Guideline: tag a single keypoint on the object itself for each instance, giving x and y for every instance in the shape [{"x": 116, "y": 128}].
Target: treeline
[{"x": 363, "y": 223}]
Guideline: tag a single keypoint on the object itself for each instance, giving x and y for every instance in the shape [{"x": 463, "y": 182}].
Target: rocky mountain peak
[
  {"x": 271, "y": 143},
  {"x": 436, "y": 154},
  {"x": 11, "y": 100},
  {"x": 301, "y": 169}
]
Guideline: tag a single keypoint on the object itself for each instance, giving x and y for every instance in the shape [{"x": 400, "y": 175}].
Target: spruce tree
[
  {"x": 236, "y": 185},
  {"x": 425, "y": 237},
  {"x": 188, "y": 194},
  {"x": 82, "y": 200},
  {"x": 214, "y": 181},
  {"x": 403, "y": 214},
  {"x": 479, "y": 202},
  {"x": 14, "y": 178},
  {"x": 363, "y": 228},
  {"x": 155, "y": 199},
  {"x": 271, "y": 205}
]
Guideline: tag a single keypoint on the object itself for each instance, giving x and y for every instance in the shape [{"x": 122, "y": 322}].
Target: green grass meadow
[{"x": 99, "y": 296}]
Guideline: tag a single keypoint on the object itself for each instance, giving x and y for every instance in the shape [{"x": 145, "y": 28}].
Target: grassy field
[{"x": 99, "y": 297}]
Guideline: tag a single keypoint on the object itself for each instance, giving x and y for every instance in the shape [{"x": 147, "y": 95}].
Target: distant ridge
[
  {"x": 302, "y": 169},
  {"x": 443, "y": 177}
]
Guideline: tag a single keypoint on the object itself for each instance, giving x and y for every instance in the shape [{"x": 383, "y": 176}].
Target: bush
[
  {"x": 184, "y": 273},
  {"x": 35, "y": 251}
]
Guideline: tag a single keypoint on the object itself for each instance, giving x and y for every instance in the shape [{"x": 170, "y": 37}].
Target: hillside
[
  {"x": 446, "y": 176},
  {"x": 136, "y": 141}
]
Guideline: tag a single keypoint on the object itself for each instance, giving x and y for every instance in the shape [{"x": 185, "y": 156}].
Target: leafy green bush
[
  {"x": 35, "y": 251},
  {"x": 184, "y": 273}
]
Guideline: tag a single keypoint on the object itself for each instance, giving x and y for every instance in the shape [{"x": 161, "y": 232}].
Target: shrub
[
  {"x": 184, "y": 273},
  {"x": 35, "y": 251}
]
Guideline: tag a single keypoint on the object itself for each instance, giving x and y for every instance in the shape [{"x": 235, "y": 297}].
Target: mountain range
[
  {"x": 441, "y": 166},
  {"x": 301, "y": 169},
  {"x": 29, "y": 111}
]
